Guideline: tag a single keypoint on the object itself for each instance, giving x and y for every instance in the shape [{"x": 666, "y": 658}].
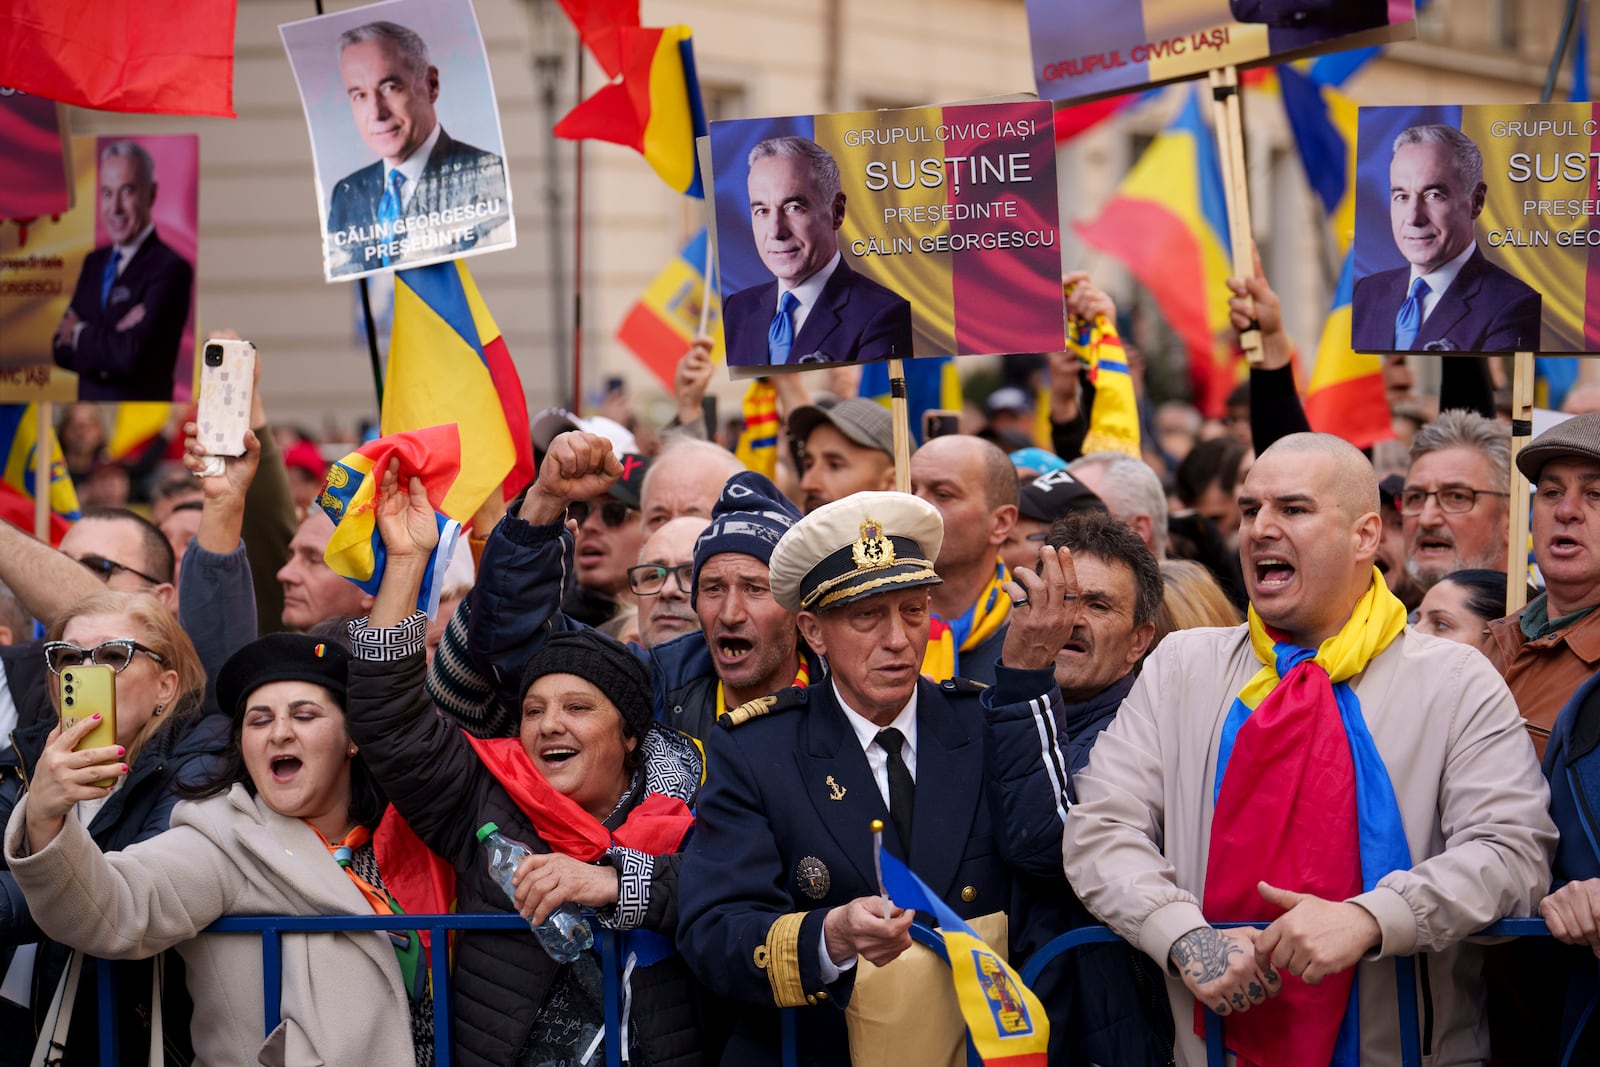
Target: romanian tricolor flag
[
  {"x": 1005, "y": 1020},
  {"x": 661, "y": 326},
  {"x": 1114, "y": 417},
  {"x": 356, "y": 550},
  {"x": 1343, "y": 389},
  {"x": 757, "y": 447},
  {"x": 1167, "y": 223},
  {"x": 448, "y": 363},
  {"x": 653, "y": 105},
  {"x": 19, "y": 433},
  {"x": 135, "y": 424}
]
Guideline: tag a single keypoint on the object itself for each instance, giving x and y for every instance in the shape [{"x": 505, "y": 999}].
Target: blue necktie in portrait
[
  {"x": 780, "y": 335},
  {"x": 389, "y": 210},
  {"x": 1409, "y": 320},
  {"x": 108, "y": 277}
]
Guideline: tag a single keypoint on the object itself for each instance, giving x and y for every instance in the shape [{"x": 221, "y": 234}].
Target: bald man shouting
[{"x": 1365, "y": 788}]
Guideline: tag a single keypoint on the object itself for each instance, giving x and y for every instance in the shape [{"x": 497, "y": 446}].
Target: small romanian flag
[
  {"x": 1114, "y": 418},
  {"x": 356, "y": 550},
  {"x": 660, "y": 328},
  {"x": 1005, "y": 1020},
  {"x": 757, "y": 448}
]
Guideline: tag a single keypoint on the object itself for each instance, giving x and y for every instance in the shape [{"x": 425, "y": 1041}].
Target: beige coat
[
  {"x": 343, "y": 998},
  {"x": 1471, "y": 796}
]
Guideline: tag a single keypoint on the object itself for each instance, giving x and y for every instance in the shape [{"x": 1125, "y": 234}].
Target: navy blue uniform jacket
[
  {"x": 1484, "y": 310},
  {"x": 855, "y": 318},
  {"x": 136, "y": 363},
  {"x": 988, "y": 805}
]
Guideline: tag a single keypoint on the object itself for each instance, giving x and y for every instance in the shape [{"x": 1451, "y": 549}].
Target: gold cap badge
[{"x": 872, "y": 550}]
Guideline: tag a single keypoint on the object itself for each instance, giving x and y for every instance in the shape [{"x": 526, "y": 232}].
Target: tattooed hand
[{"x": 1219, "y": 967}]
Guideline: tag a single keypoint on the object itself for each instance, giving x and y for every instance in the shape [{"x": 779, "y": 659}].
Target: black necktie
[{"x": 902, "y": 789}]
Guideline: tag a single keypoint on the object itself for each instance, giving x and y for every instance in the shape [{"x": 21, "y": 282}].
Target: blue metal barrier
[{"x": 271, "y": 929}]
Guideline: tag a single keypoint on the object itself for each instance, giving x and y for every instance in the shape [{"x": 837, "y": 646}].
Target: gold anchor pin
[{"x": 835, "y": 790}]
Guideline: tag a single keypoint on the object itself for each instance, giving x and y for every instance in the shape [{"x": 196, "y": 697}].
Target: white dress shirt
[
  {"x": 1440, "y": 279},
  {"x": 867, "y": 734},
  {"x": 412, "y": 167},
  {"x": 808, "y": 291}
]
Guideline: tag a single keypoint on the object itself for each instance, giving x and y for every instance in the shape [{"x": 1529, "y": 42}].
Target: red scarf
[
  {"x": 1286, "y": 814},
  {"x": 423, "y": 883}
]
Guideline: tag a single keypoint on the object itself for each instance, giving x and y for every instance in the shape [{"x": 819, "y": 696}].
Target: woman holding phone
[
  {"x": 284, "y": 827},
  {"x": 161, "y": 742}
]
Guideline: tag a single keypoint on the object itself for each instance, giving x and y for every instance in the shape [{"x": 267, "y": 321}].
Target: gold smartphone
[{"x": 85, "y": 691}]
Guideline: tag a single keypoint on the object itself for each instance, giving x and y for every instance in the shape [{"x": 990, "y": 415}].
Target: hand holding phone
[
  {"x": 227, "y": 385},
  {"x": 86, "y": 691}
]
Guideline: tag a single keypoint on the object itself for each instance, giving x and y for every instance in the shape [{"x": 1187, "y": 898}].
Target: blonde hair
[
  {"x": 153, "y": 625},
  {"x": 1191, "y": 598}
]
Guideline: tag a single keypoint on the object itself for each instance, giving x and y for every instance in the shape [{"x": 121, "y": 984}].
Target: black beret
[{"x": 282, "y": 658}]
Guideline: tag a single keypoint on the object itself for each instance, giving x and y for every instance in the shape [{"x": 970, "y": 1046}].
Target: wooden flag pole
[
  {"x": 43, "y": 460},
  {"x": 1521, "y": 432},
  {"x": 902, "y": 425},
  {"x": 1228, "y": 120}
]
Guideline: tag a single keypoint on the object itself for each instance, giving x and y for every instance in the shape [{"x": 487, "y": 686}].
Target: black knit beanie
[{"x": 599, "y": 660}]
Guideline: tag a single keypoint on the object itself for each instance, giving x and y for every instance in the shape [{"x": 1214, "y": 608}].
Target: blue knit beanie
[{"x": 748, "y": 518}]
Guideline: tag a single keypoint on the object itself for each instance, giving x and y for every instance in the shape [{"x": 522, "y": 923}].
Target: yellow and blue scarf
[{"x": 948, "y": 638}]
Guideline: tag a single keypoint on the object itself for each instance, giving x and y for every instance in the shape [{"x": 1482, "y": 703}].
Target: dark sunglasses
[
  {"x": 104, "y": 568},
  {"x": 612, "y": 512},
  {"x": 648, "y": 579},
  {"x": 117, "y": 654}
]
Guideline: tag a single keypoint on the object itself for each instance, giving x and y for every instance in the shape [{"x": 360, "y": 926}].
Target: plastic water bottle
[{"x": 564, "y": 934}]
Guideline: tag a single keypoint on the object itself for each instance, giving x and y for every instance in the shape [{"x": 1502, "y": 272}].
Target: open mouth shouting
[
  {"x": 1272, "y": 573},
  {"x": 285, "y": 767},
  {"x": 1563, "y": 546}
]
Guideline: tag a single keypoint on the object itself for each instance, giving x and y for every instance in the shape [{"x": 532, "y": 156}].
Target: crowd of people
[{"x": 1251, "y": 674}]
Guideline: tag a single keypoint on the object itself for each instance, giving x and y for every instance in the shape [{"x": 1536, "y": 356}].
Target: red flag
[
  {"x": 600, "y": 24},
  {"x": 172, "y": 57},
  {"x": 17, "y": 509}
]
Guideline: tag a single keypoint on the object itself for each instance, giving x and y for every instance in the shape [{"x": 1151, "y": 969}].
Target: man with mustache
[
  {"x": 1455, "y": 502},
  {"x": 745, "y": 647}
]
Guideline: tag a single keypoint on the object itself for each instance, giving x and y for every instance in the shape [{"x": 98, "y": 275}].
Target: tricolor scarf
[
  {"x": 407, "y": 943},
  {"x": 1114, "y": 413},
  {"x": 1304, "y": 802},
  {"x": 423, "y": 883},
  {"x": 948, "y": 638},
  {"x": 757, "y": 447},
  {"x": 802, "y": 678}
]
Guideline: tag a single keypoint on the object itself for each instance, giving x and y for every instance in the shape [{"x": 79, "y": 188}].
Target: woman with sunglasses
[
  {"x": 283, "y": 826},
  {"x": 162, "y": 742}
]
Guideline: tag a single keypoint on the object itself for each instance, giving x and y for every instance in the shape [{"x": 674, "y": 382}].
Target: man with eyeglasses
[
  {"x": 1549, "y": 648},
  {"x": 1456, "y": 499},
  {"x": 746, "y": 648},
  {"x": 663, "y": 581},
  {"x": 125, "y": 551}
]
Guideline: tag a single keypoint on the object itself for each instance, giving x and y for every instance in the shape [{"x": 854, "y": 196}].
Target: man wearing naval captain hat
[{"x": 778, "y": 899}]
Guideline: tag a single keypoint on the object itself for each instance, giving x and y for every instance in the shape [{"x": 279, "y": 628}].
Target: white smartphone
[{"x": 227, "y": 378}]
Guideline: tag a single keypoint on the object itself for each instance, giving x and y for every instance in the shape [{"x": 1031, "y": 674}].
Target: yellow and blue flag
[
  {"x": 356, "y": 550},
  {"x": 1167, "y": 223},
  {"x": 1114, "y": 415},
  {"x": 661, "y": 326},
  {"x": 1005, "y": 1020},
  {"x": 19, "y": 434},
  {"x": 449, "y": 363}
]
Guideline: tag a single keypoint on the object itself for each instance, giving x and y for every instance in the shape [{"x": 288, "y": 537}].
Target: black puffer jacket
[{"x": 428, "y": 769}]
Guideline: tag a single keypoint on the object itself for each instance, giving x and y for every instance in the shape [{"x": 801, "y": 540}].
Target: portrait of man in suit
[
  {"x": 1450, "y": 298},
  {"x": 124, "y": 326},
  {"x": 428, "y": 195},
  {"x": 816, "y": 310}
]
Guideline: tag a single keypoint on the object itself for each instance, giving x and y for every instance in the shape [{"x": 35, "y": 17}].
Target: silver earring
[{"x": 160, "y": 708}]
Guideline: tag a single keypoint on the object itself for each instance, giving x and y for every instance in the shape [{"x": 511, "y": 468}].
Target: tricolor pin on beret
[{"x": 865, "y": 544}]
